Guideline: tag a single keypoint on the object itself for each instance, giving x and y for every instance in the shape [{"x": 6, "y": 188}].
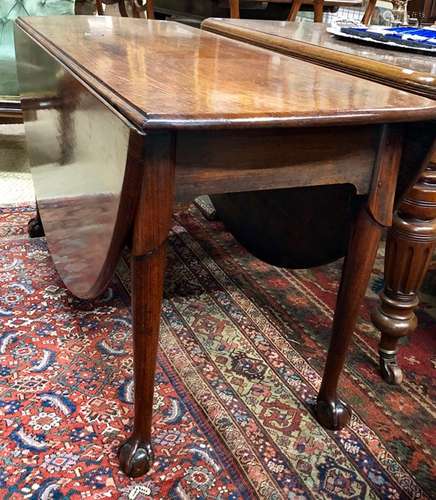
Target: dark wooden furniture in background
[
  {"x": 412, "y": 240},
  {"x": 10, "y": 110},
  {"x": 137, "y": 8},
  {"x": 194, "y": 11},
  {"x": 167, "y": 112},
  {"x": 424, "y": 10}
]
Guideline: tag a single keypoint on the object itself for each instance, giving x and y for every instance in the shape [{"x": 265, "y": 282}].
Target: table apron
[{"x": 209, "y": 162}]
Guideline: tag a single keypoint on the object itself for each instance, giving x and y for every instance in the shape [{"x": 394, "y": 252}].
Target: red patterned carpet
[{"x": 241, "y": 353}]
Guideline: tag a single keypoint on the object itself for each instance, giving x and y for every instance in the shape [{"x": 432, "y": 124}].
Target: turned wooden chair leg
[
  {"x": 367, "y": 16},
  {"x": 139, "y": 8},
  {"x": 99, "y": 6},
  {"x": 295, "y": 8},
  {"x": 318, "y": 10},
  {"x": 234, "y": 9},
  {"x": 330, "y": 410},
  {"x": 122, "y": 8},
  {"x": 409, "y": 248},
  {"x": 149, "y": 6},
  {"x": 150, "y": 232}
]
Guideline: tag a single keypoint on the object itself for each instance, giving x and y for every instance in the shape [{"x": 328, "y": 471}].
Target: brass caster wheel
[{"x": 390, "y": 371}]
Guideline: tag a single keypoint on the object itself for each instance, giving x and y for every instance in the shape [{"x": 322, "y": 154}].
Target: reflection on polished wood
[
  {"x": 230, "y": 84},
  {"x": 87, "y": 167},
  {"x": 166, "y": 112},
  {"x": 412, "y": 240},
  {"x": 411, "y": 72}
]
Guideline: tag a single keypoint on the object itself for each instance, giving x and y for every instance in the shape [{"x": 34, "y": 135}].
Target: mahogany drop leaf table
[{"x": 125, "y": 116}]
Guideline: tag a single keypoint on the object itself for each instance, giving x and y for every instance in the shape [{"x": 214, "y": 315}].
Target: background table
[
  {"x": 412, "y": 240},
  {"x": 124, "y": 116}
]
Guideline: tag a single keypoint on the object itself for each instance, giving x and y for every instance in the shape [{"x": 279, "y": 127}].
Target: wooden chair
[
  {"x": 318, "y": 7},
  {"x": 369, "y": 12},
  {"x": 138, "y": 7}
]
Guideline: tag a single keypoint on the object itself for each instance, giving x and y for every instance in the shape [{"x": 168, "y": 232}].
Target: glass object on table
[{"x": 400, "y": 16}]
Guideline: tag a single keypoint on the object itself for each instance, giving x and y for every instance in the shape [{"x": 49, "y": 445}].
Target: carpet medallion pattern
[{"x": 242, "y": 349}]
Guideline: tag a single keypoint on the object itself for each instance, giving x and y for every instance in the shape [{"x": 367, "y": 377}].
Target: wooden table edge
[
  {"x": 416, "y": 82},
  {"x": 144, "y": 122}
]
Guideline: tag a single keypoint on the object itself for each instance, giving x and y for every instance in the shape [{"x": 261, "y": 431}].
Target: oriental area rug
[{"x": 242, "y": 349}]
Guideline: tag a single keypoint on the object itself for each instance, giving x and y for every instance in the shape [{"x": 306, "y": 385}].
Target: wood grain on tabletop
[
  {"x": 412, "y": 72},
  {"x": 163, "y": 74}
]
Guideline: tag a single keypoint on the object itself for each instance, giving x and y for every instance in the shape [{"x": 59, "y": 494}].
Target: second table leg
[
  {"x": 409, "y": 248},
  {"x": 372, "y": 218},
  {"x": 330, "y": 410}
]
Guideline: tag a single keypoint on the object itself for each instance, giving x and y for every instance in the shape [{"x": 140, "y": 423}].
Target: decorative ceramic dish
[{"x": 401, "y": 37}]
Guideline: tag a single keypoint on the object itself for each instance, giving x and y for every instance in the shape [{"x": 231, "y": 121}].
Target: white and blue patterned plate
[{"x": 402, "y": 37}]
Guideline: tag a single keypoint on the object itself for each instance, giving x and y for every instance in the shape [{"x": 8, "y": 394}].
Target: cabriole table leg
[
  {"x": 330, "y": 410},
  {"x": 136, "y": 454},
  {"x": 150, "y": 232},
  {"x": 409, "y": 248},
  {"x": 376, "y": 214}
]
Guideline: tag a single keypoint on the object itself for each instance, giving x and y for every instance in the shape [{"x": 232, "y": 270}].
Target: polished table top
[
  {"x": 311, "y": 41},
  {"x": 168, "y": 75}
]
